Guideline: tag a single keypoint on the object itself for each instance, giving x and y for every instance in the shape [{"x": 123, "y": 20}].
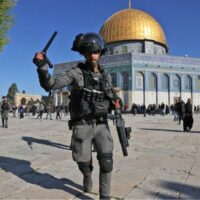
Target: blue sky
[{"x": 36, "y": 20}]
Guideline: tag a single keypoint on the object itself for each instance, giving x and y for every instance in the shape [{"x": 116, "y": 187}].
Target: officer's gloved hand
[
  {"x": 116, "y": 104},
  {"x": 41, "y": 61}
]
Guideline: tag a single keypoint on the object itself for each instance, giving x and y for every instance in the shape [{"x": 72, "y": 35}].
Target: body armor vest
[
  {"x": 5, "y": 107},
  {"x": 91, "y": 100}
]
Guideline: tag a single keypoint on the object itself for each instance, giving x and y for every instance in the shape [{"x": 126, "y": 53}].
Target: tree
[
  {"x": 6, "y": 20},
  {"x": 11, "y": 93}
]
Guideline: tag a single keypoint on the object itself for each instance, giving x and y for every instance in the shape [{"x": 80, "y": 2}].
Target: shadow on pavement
[
  {"x": 180, "y": 191},
  {"x": 23, "y": 170},
  {"x": 159, "y": 129},
  {"x": 64, "y": 119},
  {"x": 31, "y": 140},
  {"x": 167, "y": 130}
]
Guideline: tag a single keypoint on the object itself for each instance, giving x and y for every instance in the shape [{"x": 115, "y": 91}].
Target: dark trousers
[
  {"x": 5, "y": 122},
  {"x": 187, "y": 122},
  {"x": 180, "y": 117},
  {"x": 40, "y": 115},
  {"x": 21, "y": 115}
]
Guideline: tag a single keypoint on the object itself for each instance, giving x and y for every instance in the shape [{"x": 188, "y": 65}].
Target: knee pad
[
  {"x": 105, "y": 162},
  {"x": 85, "y": 167}
]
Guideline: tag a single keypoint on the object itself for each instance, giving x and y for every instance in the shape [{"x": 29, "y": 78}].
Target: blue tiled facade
[{"x": 161, "y": 73}]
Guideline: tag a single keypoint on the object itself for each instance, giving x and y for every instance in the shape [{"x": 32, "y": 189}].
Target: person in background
[
  {"x": 49, "y": 111},
  {"x": 40, "y": 110},
  {"x": 58, "y": 112},
  {"x": 5, "y": 107},
  {"x": 14, "y": 110},
  {"x": 188, "y": 116},
  {"x": 180, "y": 109}
]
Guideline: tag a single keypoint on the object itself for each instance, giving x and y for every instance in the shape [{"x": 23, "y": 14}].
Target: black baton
[{"x": 47, "y": 47}]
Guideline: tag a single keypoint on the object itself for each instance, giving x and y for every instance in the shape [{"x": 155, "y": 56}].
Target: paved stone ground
[{"x": 163, "y": 161}]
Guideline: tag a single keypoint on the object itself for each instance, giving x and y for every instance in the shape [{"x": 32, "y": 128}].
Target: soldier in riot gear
[{"x": 91, "y": 99}]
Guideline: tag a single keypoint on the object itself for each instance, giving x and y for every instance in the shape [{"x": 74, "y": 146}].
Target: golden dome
[{"x": 132, "y": 24}]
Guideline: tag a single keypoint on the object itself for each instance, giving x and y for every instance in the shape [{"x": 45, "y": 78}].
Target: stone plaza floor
[{"x": 163, "y": 161}]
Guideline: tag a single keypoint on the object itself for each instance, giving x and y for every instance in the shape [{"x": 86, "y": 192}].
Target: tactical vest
[
  {"x": 5, "y": 110},
  {"x": 91, "y": 100}
]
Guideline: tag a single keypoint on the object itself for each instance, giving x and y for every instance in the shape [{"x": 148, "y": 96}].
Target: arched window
[
  {"x": 188, "y": 83},
  {"x": 152, "y": 81},
  {"x": 114, "y": 79},
  {"x": 177, "y": 82},
  {"x": 23, "y": 101},
  {"x": 139, "y": 80},
  {"x": 125, "y": 80},
  {"x": 198, "y": 82},
  {"x": 165, "y": 82}
]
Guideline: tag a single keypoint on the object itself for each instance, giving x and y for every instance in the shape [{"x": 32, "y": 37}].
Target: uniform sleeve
[
  {"x": 62, "y": 80},
  {"x": 49, "y": 82}
]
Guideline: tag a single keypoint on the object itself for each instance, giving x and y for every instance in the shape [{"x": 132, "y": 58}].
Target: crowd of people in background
[
  {"x": 180, "y": 110},
  {"x": 39, "y": 111}
]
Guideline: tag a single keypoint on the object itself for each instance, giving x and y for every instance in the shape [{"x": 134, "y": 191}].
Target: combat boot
[{"x": 87, "y": 183}]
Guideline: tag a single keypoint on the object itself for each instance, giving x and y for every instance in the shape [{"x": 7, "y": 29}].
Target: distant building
[
  {"x": 20, "y": 97},
  {"x": 138, "y": 62}
]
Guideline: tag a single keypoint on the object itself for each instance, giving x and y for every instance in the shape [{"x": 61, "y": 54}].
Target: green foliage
[
  {"x": 6, "y": 20},
  {"x": 11, "y": 93}
]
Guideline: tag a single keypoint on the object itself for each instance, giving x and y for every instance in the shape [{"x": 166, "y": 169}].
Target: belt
[{"x": 90, "y": 122}]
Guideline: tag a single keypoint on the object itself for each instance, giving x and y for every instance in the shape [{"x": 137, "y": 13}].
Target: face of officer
[{"x": 92, "y": 58}]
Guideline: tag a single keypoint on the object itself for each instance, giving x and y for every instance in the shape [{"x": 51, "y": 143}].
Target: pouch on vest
[
  {"x": 100, "y": 108},
  {"x": 85, "y": 108}
]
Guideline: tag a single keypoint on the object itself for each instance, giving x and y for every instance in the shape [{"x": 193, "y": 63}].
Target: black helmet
[{"x": 89, "y": 42}]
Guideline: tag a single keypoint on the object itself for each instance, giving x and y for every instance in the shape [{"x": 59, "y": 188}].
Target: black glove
[{"x": 40, "y": 59}]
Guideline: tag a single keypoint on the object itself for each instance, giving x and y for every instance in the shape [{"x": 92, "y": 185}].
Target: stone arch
[
  {"x": 152, "y": 81},
  {"x": 23, "y": 101},
  {"x": 177, "y": 83},
  {"x": 188, "y": 83},
  {"x": 140, "y": 86},
  {"x": 197, "y": 83},
  {"x": 164, "y": 97},
  {"x": 153, "y": 88},
  {"x": 165, "y": 81},
  {"x": 114, "y": 79},
  {"x": 139, "y": 80},
  {"x": 176, "y": 87},
  {"x": 188, "y": 86}
]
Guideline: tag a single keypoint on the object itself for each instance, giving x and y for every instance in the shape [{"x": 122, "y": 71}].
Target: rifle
[
  {"x": 47, "y": 47},
  {"x": 122, "y": 131}
]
